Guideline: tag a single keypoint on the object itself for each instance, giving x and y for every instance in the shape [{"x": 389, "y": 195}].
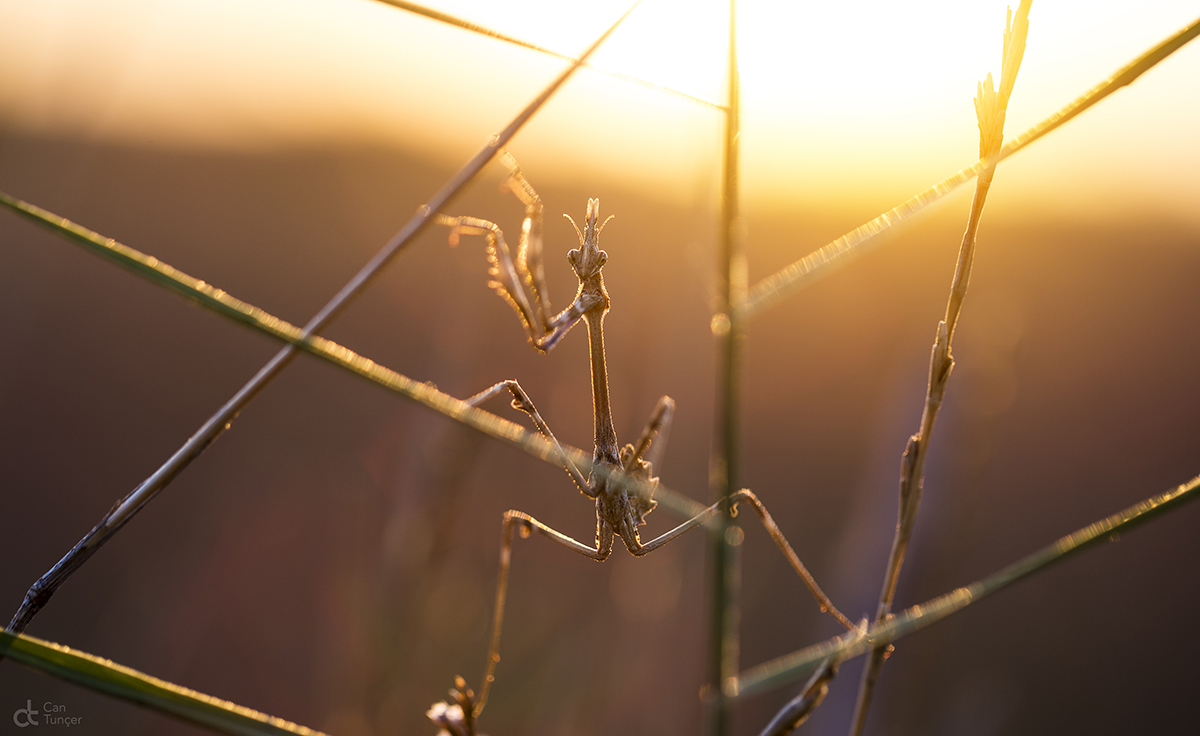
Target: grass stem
[
  {"x": 467, "y": 25},
  {"x": 990, "y": 108},
  {"x": 799, "y": 274},
  {"x": 125, "y": 508},
  {"x": 723, "y": 470},
  {"x": 216, "y": 300},
  {"x": 791, "y": 667},
  {"x": 121, "y": 682}
]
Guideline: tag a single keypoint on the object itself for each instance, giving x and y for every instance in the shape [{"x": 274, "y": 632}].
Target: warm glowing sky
[{"x": 839, "y": 98}]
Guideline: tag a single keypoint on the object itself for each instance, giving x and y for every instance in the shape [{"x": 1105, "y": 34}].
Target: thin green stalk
[
  {"x": 226, "y": 305},
  {"x": 723, "y": 610},
  {"x": 124, "y": 683},
  {"x": 791, "y": 667},
  {"x": 125, "y": 508},
  {"x": 807, "y": 270},
  {"x": 484, "y": 30},
  {"x": 991, "y": 107}
]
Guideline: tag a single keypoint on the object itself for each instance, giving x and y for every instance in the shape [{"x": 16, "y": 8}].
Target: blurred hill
[{"x": 331, "y": 560}]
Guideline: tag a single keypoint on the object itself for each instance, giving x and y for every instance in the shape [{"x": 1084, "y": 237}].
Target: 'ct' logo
[{"x": 25, "y": 716}]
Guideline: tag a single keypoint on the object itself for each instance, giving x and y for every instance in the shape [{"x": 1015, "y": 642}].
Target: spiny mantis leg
[
  {"x": 527, "y": 524},
  {"x": 781, "y": 542},
  {"x": 529, "y": 251},
  {"x": 522, "y": 282},
  {"x": 521, "y": 402},
  {"x": 604, "y": 544},
  {"x": 511, "y": 281},
  {"x": 776, "y": 535},
  {"x": 658, "y": 426},
  {"x": 530, "y": 261}
]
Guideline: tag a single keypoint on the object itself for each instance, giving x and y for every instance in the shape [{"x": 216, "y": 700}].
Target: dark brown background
[{"x": 331, "y": 559}]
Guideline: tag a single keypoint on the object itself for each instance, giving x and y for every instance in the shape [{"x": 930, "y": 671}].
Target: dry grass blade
[
  {"x": 798, "y": 709},
  {"x": 990, "y": 108},
  {"x": 821, "y": 660},
  {"x": 125, "y": 508},
  {"x": 805, "y": 271},
  {"x": 791, "y": 667},
  {"x": 215, "y": 299},
  {"x": 122, "y": 682},
  {"x": 467, "y": 25}
]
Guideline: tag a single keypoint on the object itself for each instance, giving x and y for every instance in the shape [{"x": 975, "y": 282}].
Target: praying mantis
[{"x": 620, "y": 508}]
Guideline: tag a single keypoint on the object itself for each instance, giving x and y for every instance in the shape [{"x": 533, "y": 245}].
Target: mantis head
[{"x": 588, "y": 259}]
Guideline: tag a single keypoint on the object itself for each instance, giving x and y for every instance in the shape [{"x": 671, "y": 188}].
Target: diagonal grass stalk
[
  {"x": 214, "y": 299},
  {"x": 44, "y": 588},
  {"x": 128, "y": 684},
  {"x": 787, "y": 281},
  {"x": 735, "y": 306},
  {"x": 467, "y": 25},
  {"x": 791, "y": 667}
]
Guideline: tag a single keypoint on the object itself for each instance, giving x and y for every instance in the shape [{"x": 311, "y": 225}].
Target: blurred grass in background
[{"x": 228, "y": 142}]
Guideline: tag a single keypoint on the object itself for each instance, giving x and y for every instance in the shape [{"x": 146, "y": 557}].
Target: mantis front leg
[{"x": 521, "y": 281}]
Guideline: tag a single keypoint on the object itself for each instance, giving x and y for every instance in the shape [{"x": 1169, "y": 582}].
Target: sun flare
[{"x": 838, "y": 99}]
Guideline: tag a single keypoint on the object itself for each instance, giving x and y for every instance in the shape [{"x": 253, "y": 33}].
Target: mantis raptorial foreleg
[
  {"x": 620, "y": 506},
  {"x": 521, "y": 281}
]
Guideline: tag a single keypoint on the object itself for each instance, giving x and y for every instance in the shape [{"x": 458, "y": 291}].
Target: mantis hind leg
[
  {"x": 768, "y": 523},
  {"x": 792, "y": 558},
  {"x": 526, "y": 525}
]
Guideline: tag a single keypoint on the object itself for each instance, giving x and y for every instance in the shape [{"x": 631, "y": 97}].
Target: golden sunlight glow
[{"x": 839, "y": 99}]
